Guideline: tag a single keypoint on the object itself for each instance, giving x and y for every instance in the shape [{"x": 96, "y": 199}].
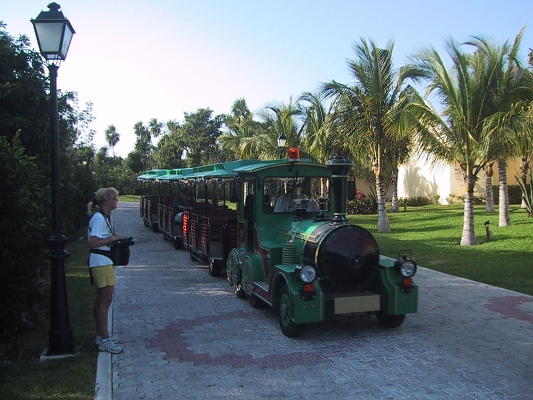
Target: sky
[{"x": 137, "y": 59}]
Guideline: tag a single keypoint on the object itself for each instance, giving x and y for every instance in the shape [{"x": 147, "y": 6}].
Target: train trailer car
[
  {"x": 210, "y": 226},
  {"x": 297, "y": 252},
  {"x": 151, "y": 195}
]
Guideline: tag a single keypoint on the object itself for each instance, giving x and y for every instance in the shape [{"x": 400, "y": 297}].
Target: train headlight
[
  {"x": 307, "y": 273},
  {"x": 405, "y": 267}
]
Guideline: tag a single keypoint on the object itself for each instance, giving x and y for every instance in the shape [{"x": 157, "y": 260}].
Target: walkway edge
[{"x": 103, "y": 389}]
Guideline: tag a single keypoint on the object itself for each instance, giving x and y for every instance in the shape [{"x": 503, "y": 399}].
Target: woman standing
[{"x": 101, "y": 267}]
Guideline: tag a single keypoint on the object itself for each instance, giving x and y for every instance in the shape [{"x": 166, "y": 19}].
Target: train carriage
[
  {"x": 150, "y": 196},
  {"x": 210, "y": 226},
  {"x": 171, "y": 184}
]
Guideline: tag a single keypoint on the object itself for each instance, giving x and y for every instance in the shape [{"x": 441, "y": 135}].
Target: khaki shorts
[{"x": 104, "y": 276}]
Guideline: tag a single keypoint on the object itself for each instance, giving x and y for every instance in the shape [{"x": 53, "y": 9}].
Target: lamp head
[
  {"x": 54, "y": 33},
  {"x": 282, "y": 140}
]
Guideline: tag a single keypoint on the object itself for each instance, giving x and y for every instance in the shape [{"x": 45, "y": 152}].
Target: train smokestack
[{"x": 340, "y": 167}]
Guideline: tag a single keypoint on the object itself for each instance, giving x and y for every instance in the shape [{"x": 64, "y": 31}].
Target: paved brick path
[{"x": 187, "y": 336}]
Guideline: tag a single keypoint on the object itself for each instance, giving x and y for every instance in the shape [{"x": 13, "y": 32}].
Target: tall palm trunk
[
  {"x": 395, "y": 203},
  {"x": 504, "y": 219},
  {"x": 383, "y": 218},
  {"x": 489, "y": 172},
  {"x": 469, "y": 235},
  {"x": 523, "y": 175}
]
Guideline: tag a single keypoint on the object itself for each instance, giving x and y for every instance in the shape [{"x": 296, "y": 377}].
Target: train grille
[
  {"x": 341, "y": 276},
  {"x": 348, "y": 258}
]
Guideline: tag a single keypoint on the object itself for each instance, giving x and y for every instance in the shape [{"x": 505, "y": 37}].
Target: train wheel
[
  {"x": 288, "y": 327},
  {"x": 214, "y": 268},
  {"x": 239, "y": 291},
  {"x": 390, "y": 321}
]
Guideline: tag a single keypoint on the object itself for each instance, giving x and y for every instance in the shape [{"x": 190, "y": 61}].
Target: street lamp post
[
  {"x": 282, "y": 140},
  {"x": 54, "y": 33}
]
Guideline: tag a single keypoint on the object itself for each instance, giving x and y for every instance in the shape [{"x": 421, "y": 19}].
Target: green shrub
[
  {"x": 415, "y": 201},
  {"x": 22, "y": 243},
  {"x": 362, "y": 204},
  {"x": 453, "y": 199}
]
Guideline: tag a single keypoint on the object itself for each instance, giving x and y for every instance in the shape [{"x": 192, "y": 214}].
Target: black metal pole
[{"x": 60, "y": 339}]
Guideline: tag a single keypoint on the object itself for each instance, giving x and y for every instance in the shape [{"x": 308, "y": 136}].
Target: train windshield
[{"x": 288, "y": 194}]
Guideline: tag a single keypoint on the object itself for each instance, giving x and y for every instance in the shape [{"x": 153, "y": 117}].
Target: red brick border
[
  {"x": 508, "y": 307},
  {"x": 172, "y": 341}
]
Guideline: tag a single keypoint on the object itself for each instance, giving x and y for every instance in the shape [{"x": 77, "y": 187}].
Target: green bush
[
  {"x": 415, "y": 201},
  {"x": 362, "y": 204},
  {"x": 22, "y": 243},
  {"x": 453, "y": 199}
]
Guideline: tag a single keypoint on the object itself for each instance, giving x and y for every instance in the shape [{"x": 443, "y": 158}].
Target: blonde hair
[{"x": 100, "y": 196}]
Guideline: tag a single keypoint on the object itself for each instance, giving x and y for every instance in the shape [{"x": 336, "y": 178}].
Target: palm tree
[
  {"x": 521, "y": 124},
  {"x": 399, "y": 155},
  {"x": 319, "y": 139},
  {"x": 112, "y": 137},
  {"x": 489, "y": 193},
  {"x": 279, "y": 119},
  {"x": 465, "y": 131},
  {"x": 143, "y": 144},
  {"x": 509, "y": 85},
  {"x": 369, "y": 114},
  {"x": 240, "y": 129},
  {"x": 155, "y": 127}
]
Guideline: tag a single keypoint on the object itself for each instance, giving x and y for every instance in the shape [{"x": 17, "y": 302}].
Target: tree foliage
[
  {"x": 25, "y": 205},
  {"x": 200, "y": 132},
  {"x": 112, "y": 137},
  {"x": 24, "y": 105},
  {"x": 370, "y": 112},
  {"x": 239, "y": 133},
  {"x": 170, "y": 149},
  {"x": 23, "y": 226},
  {"x": 476, "y": 94}
]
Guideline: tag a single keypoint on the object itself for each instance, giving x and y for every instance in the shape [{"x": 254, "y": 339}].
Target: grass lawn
[
  {"x": 432, "y": 233},
  {"x": 70, "y": 378}
]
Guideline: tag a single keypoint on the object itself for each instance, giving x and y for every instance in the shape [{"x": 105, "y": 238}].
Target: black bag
[{"x": 120, "y": 251}]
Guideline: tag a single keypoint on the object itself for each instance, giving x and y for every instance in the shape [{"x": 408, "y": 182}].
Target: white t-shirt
[{"x": 99, "y": 227}]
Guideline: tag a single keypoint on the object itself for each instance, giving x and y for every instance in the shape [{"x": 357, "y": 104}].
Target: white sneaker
[
  {"x": 99, "y": 338},
  {"x": 109, "y": 346}
]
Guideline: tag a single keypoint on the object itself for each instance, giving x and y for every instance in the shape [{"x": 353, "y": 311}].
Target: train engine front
[
  {"x": 313, "y": 265},
  {"x": 338, "y": 269}
]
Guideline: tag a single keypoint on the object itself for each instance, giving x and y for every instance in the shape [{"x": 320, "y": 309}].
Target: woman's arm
[{"x": 95, "y": 241}]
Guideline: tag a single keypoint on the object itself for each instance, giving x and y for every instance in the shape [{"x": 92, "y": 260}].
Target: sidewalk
[{"x": 187, "y": 336}]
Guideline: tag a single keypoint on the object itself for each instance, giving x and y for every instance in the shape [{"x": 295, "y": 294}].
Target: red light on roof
[{"x": 294, "y": 154}]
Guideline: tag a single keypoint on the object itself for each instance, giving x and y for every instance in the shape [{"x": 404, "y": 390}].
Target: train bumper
[{"x": 352, "y": 303}]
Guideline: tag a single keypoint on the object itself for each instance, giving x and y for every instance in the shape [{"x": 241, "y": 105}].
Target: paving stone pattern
[{"x": 187, "y": 336}]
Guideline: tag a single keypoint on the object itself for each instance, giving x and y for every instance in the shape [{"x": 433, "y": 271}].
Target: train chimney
[{"x": 340, "y": 167}]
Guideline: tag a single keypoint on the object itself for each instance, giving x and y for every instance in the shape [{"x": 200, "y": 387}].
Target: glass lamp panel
[
  {"x": 67, "y": 37},
  {"x": 49, "y": 36}
]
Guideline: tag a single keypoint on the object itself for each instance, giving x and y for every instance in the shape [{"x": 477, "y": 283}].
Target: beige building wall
[{"x": 419, "y": 179}]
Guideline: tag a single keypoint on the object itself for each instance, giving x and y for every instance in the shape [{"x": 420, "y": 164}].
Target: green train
[{"x": 278, "y": 229}]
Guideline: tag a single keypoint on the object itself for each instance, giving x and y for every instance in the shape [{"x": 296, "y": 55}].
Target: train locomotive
[{"x": 289, "y": 244}]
